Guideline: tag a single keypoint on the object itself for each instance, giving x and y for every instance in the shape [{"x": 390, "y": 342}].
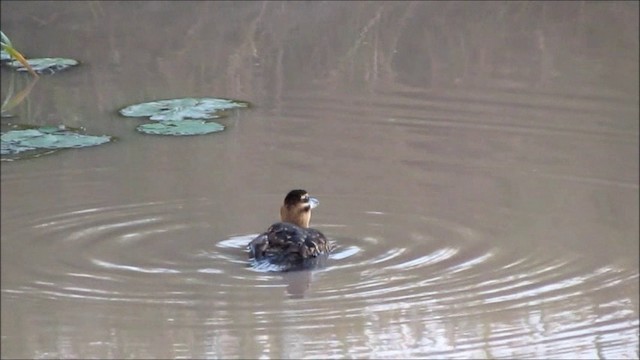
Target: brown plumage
[{"x": 291, "y": 244}]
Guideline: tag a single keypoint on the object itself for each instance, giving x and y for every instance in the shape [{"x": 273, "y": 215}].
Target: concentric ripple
[
  {"x": 448, "y": 272},
  {"x": 433, "y": 273},
  {"x": 105, "y": 252}
]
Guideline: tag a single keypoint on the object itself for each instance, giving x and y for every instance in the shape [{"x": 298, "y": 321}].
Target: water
[{"x": 477, "y": 165}]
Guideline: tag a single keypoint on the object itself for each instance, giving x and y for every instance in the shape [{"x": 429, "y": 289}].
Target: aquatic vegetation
[
  {"x": 185, "y": 116},
  {"x": 35, "y": 65},
  {"x": 26, "y": 141},
  {"x": 40, "y": 140},
  {"x": 4, "y": 56},
  {"x": 9, "y": 52},
  {"x": 180, "y": 128},
  {"x": 45, "y": 65},
  {"x": 181, "y": 109}
]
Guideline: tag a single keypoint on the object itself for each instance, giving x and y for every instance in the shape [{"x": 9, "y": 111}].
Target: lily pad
[
  {"x": 181, "y": 127},
  {"x": 46, "y": 139},
  {"x": 180, "y": 109},
  {"x": 46, "y": 65},
  {"x": 4, "y": 56}
]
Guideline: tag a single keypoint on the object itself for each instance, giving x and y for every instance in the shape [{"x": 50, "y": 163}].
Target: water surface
[{"x": 476, "y": 163}]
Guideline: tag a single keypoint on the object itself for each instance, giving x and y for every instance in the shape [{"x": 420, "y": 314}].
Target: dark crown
[{"x": 296, "y": 196}]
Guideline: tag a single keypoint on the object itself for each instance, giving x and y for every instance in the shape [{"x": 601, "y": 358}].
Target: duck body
[
  {"x": 283, "y": 239},
  {"x": 291, "y": 244}
]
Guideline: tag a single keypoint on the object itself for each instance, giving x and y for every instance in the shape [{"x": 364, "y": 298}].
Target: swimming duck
[{"x": 291, "y": 243}]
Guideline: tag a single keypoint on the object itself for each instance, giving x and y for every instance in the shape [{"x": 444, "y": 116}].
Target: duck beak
[{"x": 313, "y": 202}]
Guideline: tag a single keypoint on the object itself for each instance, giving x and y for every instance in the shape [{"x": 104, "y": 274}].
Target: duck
[{"x": 291, "y": 244}]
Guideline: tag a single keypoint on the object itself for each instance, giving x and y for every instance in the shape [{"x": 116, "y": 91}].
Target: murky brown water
[{"x": 477, "y": 163}]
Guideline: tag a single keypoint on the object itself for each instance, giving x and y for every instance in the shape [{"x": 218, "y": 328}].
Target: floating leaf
[
  {"x": 180, "y": 109},
  {"x": 46, "y": 138},
  {"x": 4, "y": 56},
  {"x": 4, "y": 39},
  {"x": 181, "y": 127},
  {"x": 46, "y": 65},
  {"x": 12, "y": 53}
]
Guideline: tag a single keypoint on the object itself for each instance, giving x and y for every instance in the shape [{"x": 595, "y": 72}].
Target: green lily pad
[
  {"x": 180, "y": 109},
  {"x": 45, "y": 139},
  {"x": 181, "y": 127},
  {"x": 4, "y": 56},
  {"x": 46, "y": 65}
]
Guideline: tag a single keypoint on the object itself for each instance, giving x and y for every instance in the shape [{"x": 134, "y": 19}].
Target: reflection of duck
[
  {"x": 297, "y": 282},
  {"x": 290, "y": 243}
]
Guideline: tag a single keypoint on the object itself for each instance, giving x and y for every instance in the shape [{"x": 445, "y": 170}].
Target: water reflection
[{"x": 297, "y": 283}]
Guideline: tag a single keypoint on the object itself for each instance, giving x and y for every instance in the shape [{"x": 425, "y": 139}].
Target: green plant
[{"x": 8, "y": 47}]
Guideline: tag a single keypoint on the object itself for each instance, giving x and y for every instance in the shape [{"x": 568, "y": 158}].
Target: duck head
[{"x": 297, "y": 208}]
